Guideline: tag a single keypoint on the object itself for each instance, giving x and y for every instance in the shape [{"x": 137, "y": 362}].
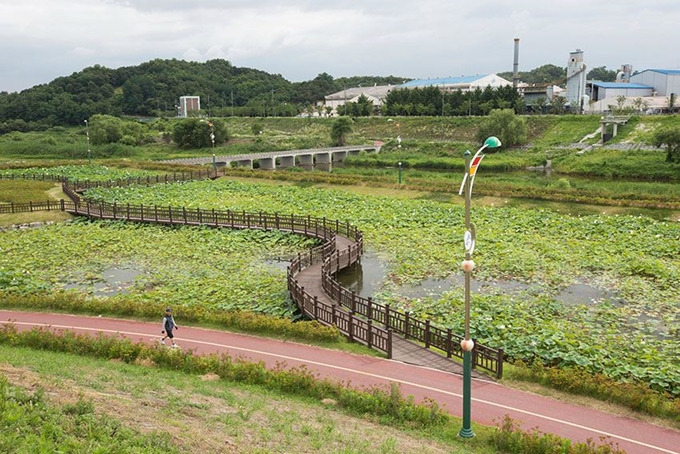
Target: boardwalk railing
[
  {"x": 29, "y": 207},
  {"x": 360, "y": 319},
  {"x": 401, "y": 322}
]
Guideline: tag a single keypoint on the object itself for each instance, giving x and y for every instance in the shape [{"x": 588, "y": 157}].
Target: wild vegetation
[{"x": 621, "y": 348}]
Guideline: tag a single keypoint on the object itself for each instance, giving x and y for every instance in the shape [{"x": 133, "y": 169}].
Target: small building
[
  {"x": 187, "y": 105},
  {"x": 375, "y": 94},
  {"x": 598, "y": 91},
  {"x": 664, "y": 81},
  {"x": 533, "y": 92},
  {"x": 463, "y": 83}
]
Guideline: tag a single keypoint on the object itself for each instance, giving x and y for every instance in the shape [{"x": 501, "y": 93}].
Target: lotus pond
[
  {"x": 140, "y": 263},
  {"x": 635, "y": 336}
]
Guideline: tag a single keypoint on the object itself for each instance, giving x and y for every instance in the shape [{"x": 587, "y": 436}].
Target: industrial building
[
  {"x": 375, "y": 94},
  {"x": 378, "y": 94}
]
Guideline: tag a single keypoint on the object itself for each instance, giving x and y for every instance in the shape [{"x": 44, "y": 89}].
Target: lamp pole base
[{"x": 466, "y": 431}]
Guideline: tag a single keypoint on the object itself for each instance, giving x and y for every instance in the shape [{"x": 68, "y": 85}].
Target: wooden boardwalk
[
  {"x": 312, "y": 284},
  {"x": 403, "y": 350}
]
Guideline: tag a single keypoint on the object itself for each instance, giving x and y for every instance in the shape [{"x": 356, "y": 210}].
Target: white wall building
[
  {"x": 463, "y": 83},
  {"x": 664, "y": 81},
  {"x": 375, "y": 94},
  {"x": 600, "y": 90}
]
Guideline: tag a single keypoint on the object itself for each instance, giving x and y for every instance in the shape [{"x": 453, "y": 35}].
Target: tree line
[{"x": 154, "y": 88}]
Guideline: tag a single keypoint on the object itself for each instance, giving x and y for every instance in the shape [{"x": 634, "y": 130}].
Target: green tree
[
  {"x": 670, "y": 138},
  {"x": 557, "y": 104},
  {"x": 195, "y": 133},
  {"x": 342, "y": 127},
  {"x": 511, "y": 129},
  {"x": 601, "y": 73},
  {"x": 105, "y": 129}
]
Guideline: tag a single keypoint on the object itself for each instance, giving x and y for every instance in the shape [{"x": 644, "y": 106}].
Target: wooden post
[
  {"x": 499, "y": 366},
  {"x": 427, "y": 334},
  {"x": 155, "y": 211},
  {"x": 389, "y": 344},
  {"x": 184, "y": 213},
  {"x": 387, "y": 316},
  {"x": 316, "y": 307},
  {"x": 370, "y": 333},
  {"x": 448, "y": 343},
  {"x": 407, "y": 322},
  {"x": 170, "y": 214},
  {"x": 369, "y": 309}
]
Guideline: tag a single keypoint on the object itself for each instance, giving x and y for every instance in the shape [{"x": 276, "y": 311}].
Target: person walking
[{"x": 168, "y": 326}]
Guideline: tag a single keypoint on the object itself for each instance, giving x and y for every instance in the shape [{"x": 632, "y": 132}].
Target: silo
[{"x": 576, "y": 81}]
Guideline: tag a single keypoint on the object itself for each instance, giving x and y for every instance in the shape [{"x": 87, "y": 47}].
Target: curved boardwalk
[
  {"x": 311, "y": 279},
  {"x": 312, "y": 286}
]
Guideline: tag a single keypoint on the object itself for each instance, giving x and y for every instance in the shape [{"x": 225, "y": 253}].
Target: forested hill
[{"x": 153, "y": 89}]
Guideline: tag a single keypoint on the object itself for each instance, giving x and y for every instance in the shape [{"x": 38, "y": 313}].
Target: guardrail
[
  {"x": 360, "y": 319},
  {"x": 402, "y": 323}
]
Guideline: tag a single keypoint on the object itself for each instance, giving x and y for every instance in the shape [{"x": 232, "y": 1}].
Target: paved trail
[{"x": 490, "y": 400}]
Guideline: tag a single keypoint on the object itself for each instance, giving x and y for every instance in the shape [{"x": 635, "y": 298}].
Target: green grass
[
  {"x": 201, "y": 403},
  {"x": 202, "y": 412}
]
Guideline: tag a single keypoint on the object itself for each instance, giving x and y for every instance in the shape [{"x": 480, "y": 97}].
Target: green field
[{"x": 539, "y": 236}]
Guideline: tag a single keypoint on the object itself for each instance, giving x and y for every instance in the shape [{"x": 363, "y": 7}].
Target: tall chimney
[{"x": 515, "y": 65}]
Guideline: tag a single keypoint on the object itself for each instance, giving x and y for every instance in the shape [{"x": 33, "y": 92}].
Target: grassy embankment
[{"x": 153, "y": 399}]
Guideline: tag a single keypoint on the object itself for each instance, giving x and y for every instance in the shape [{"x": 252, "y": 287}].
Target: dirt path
[{"x": 490, "y": 401}]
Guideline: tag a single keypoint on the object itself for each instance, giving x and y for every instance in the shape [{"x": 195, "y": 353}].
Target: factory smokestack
[{"x": 515, "y": 65}]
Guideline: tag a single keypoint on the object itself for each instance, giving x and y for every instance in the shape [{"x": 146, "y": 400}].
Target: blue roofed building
[
  {"x": 463, "y": 83},
  {"x": 664, "y": 81},
  {"x": 598, "y": 90}
]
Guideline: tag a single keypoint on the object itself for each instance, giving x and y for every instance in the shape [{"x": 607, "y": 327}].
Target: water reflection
[
  {"x": 114, "y": 281},
  {"x": 366, "y": 279}
]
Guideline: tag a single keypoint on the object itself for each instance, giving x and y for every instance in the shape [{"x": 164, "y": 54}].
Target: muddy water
[
  {"x": 366, "y": 278},
  {"x": 113, "y": 282}
]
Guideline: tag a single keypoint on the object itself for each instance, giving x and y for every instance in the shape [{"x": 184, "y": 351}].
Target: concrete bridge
[{"x": 282, "y": 159}]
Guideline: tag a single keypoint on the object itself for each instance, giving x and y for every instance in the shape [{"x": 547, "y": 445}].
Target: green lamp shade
[{"x": 492, "y": 142}]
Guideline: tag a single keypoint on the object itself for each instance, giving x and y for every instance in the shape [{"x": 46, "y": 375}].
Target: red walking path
[{"x": 490, "y": 400}]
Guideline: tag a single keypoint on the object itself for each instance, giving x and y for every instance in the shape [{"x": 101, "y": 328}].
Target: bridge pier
[
  {"x": 245, "y": 163},
  {"x": 339, "y": 156},
  {"x": 286, "y": 161},
  {"x": 267, "y": 163},
  {"x": 323, "y": 158},
  {"x": 306, "y": 159}
]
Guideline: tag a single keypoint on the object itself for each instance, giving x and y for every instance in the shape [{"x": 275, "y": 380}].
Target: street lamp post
[
  {"x": 471, "y": 165},
  {"x": 399, "y": 172},
  {"x": 87, "y": 134}
]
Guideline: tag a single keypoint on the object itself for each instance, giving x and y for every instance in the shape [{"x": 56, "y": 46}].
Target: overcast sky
[{"x": 41, "y": 40}]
